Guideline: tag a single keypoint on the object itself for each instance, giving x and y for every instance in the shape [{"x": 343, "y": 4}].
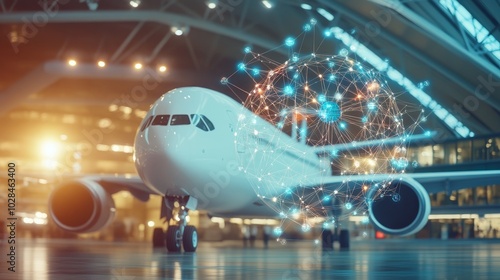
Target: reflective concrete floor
[{"x": 376, "y": 259}]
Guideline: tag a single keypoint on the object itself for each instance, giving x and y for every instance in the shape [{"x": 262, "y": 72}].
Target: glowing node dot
[
  {"x": 305, "y": 227},
  {"x": 348, "y": 206},
  {"x": 247, "y": 49},
  {"x": 255, "y": 71},
  {"x": 288, "y": 90},
  {"x": 344, "y": 52},
  {"x": 329, "y": 112},
  {"x": 224, "y": 80},
  {"x": 290, "y": 41},
  {"x": 307, "y": 27},
  {"x": 371, "y": 105},
  {"x": 241, "y": 66},
  {"x": 321, "y": 98}
]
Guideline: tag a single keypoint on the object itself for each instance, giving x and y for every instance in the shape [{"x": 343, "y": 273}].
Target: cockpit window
[
  {"x": 180, "y": 120},
  {"x": 196, "y": 120},
  {"x": 146, "y": 123},
  {"x": 161, "y": 120},
  {"x": 208, "y": 122}
]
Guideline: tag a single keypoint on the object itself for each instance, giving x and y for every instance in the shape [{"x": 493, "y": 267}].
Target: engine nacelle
[
  {"x": 402, "y": 212},
  {"x": 81, "y": 206}
]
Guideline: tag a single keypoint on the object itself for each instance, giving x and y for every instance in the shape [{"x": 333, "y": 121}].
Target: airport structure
[{"x": 202, "y": 131}]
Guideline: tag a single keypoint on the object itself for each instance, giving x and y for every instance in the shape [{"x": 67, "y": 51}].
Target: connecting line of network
[{"x": 341, "y": 110}]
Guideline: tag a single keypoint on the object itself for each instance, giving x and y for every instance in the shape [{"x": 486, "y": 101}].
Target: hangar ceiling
[{"x": 41, "y": 96}]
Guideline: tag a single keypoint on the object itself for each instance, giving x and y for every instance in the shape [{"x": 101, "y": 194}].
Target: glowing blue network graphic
[{"x": 318, "y": 107}]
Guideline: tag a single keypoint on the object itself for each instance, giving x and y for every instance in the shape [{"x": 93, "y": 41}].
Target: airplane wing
[
  {"x": 111, "y": 183},
  {"x": 372, "y": 143},
  {"x": 115, "y": 183},
  {"x": 433, "y": 182}
]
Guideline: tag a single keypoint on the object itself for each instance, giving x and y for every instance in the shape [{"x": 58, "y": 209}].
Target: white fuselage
[{"x": 226, "y": 167}]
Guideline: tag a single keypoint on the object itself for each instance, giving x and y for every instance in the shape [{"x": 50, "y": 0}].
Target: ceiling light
[
  {"x": 267, "y": 4},
  {"x": 138, "y": 66},
  {"x": 101, "y": 63},
  {"x": 305, "y": 6},
  {"x": 325, "y": 14},
  {"x": 162, "y": 68},
  {"x": 178, "y": 31},
  {"x": 135, "y": 3},
  {"x": 72, "y": 62},
  {"x": 212, "y": 4},
  {"x": 92, "y": 4}
]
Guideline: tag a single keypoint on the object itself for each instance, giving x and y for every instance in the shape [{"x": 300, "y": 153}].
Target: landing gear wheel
[
  {"x": 158, "y": 238},
  {"x": 344, "y": 239},
  {"x": 173, "y": 239},
  {"x": 327, "y": 240},
  {"x": 190, "y": 239}
]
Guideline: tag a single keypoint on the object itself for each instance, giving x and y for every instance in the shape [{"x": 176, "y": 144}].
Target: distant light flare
[
  {"x": 50, "y": 149},
  {"x": 72, "y": 62}
]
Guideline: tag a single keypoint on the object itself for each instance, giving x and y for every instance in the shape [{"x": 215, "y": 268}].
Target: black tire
[
  {"x": 327, "y": 240},
  {"x": 172, "y": 239},
  {"x": 344, "y": 239},
  {"x": 190, "y": 239},
  {"x": 158, "y": 238}
]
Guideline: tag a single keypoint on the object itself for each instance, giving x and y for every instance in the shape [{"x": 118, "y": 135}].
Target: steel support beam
[
  {"x": 397, "y": 42},
  {"x": 52, "y": 71},
  {"x": 139, "y": 16}
]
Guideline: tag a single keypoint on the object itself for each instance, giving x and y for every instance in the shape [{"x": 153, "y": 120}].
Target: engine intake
[
  {"x": 81, "y": 206},
  {"x": 402, "y": 212}
]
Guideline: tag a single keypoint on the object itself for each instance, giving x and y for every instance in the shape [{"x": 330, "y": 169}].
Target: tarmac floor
[{"x": 43, "y": 259}]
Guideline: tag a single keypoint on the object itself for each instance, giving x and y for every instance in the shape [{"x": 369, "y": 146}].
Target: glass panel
[
  {"x": 209, "y": 123},
  {"x": 412, "y": 154},
  {"x": 146, "y": 123},
  {"x": 493, "y": 148},
  {"x": 463, "y": 151},
  {"x": 198, "y": 122},
  {"x": 465, "y": 197},
  {"x": 479, "y": 149},
  {"x": 495, "y": 194},
  {"x": 438, "y": 154},
  {"x": 450, "y": 153},
  {"x": 180, "y": 120},
  {"x": 425, "y": 156},
  {"x": 161, "y": 120}
]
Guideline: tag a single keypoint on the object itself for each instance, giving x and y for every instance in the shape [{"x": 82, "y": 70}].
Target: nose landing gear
[{"x": 181, "y": 235}]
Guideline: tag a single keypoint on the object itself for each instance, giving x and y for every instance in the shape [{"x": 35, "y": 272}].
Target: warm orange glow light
[
  {"x": 72, "y": 62},
  {"x": 101, "y": 63},
  {"x": 162, "y": 68},
  {"x": 138, "y": 66}
]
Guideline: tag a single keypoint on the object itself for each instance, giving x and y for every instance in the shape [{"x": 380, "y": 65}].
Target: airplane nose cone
[{"x": 158, "y": 156}]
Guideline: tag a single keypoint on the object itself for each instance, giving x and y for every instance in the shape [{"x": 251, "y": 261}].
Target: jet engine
[
  {"x": 81, "y": 206},
  {"x": 402, "y": 211}
]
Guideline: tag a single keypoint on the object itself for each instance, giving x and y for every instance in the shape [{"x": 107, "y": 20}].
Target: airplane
[{"x": 187, "y": 151}]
